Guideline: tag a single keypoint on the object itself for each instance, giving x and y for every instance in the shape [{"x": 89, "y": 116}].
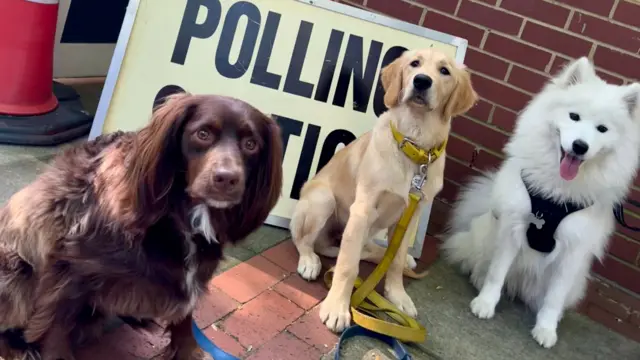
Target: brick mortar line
[
  {"x": 477, "y": 146},
  {"x": 461, "y": 162},
  {"x": 508, "y": 73},
  {"x": 547, "y": 68},
  {"x": 491, "y": 112},
  {"x": 561, "y": 30},
  {"x": 422, "y": 17},
  {"x": 601, "y": 17},
  {"x": 625, "y": 263},
  {"x": 607, "y": 19},
  {"x": 511, "y": 62},
  {"x": 627, "y": 238},
  {"x": 487, "y": 30},
  {"x": 537, "y": 22},
  {"x": 502, "y": 82},
  {"x": 546, "y": 72},
  {"x": 612, "y": 284},
  {"x": 361, "y": 6},
  {"x": 613, "y": 9},
  {"x": 569, "y": 19},
  {"x": 521, "y": 30},
  {"x": 455, "y": 12},
  {"x": 486, "y": 124}
]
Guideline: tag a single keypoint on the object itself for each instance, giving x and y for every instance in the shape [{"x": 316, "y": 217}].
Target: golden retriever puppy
[{"x": 364, "y": 188}]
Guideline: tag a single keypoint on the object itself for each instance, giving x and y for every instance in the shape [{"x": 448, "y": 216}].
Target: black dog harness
[{"x": 546, "y": 214}]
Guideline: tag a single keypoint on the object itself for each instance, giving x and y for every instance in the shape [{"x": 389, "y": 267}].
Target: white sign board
[{"x": 313, "y": 65}]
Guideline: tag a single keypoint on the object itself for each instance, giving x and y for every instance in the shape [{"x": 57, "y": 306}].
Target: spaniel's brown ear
[
  {"x": 158, "y": 155},
  {"x": 463, "y": 96},
  {"x": 264, "y": 184},
  {"x": 391, "y": 77}
]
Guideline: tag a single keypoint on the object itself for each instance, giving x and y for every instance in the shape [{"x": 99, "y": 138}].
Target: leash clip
[{"x": 419, "y": 179}]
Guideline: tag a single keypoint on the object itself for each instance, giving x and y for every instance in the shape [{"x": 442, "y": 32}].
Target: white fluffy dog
[{"x": 535, "y": 226}]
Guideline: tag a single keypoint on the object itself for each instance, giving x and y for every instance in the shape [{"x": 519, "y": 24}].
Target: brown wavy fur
[{"x": 105, "y": 230}]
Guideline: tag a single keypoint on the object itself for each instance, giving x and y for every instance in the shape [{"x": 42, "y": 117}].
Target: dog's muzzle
[{"x": 421, "y": 85}]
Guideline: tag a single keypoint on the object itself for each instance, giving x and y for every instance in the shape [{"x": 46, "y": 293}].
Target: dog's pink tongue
[{"x": 569, "y": 167}]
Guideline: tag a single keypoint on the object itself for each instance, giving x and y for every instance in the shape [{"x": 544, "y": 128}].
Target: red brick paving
[
  {"x": 311, "y": 330},
  {"x": 213, "y": 307},
  {"x": 261, "y": 319},
  {"x": 284, "y": 254},
  {"x": 260, "y": 310},
  {"x": 245, "y": 281},
  {"x": 303, "y": 293}
]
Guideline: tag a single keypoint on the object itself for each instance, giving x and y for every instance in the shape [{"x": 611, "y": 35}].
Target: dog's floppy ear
[
  {"x": 264, "y": 184},
  {"x": 576, "y": 72},
  {"x": 631, "y": 98},
  {"x": 463, "y": 96},
  {"x": 158, "y": 153},
  {"x": 391, "y": 77}
]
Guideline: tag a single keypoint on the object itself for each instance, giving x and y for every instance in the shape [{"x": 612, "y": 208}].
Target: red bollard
[
  {"x": 28, "y": 31},
  {"x": 30, "y": 111}
]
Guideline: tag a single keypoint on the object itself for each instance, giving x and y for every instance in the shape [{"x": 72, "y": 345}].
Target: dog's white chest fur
[{"x": 200, "y": 224}]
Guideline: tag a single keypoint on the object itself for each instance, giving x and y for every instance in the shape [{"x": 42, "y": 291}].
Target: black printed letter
[
  {"x": 306, "y": 158},
  {"x": 288, "y": 127},
  {"x": 332, "y": 141},
  {"x": 293, "y": 84},
  {"x": 236, "y": 11},
  {"x": 362, "y": 83},
  {"x": 189, "y": 29},
  {"x": 261, "y": 75},
  {"x": 329, "y": 65}
]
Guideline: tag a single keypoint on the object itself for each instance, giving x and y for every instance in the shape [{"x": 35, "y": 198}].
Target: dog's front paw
[
  {"x": 309, "y": 266},
  {"x": 483, "y": 308},
  {"x": 546, "y": 337},
  {"x": 335, "y": 314},
  {"x": 402, "y": 300}
]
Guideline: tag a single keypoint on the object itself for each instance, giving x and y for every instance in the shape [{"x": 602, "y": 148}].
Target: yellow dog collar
[{"x": 415, "y": 152}]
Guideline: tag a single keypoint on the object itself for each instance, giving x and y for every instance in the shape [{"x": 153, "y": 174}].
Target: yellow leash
[{"x": 368, "y": 307}]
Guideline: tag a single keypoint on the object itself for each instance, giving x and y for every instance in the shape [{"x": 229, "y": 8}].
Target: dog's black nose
[
  {"x": 580, "y": 147},
  {"x": 422, "y": 82},
  {"x": 226, "y": 180}
]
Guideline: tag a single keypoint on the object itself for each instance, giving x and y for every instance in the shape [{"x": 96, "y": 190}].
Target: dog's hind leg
[{"x": 308, "y": 223}]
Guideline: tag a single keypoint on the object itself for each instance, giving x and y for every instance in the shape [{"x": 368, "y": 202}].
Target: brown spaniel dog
[{"x": 133, "y": 225}]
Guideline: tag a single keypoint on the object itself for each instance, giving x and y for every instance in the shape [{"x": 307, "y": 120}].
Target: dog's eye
[
  {"x": 444, "y": 71},
  {"x": 574, "y": 116},
  {"x": 602, "y": 128},
  {"x": 415, "y": 63},
  {"x": 203, "y": 135},
  {"x": 249, "y": 144}
]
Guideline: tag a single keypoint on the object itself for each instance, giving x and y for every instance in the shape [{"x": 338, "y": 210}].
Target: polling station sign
[{"x": 313, "y": 64}]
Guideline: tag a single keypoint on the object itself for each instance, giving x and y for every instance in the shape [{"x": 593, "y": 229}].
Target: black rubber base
[{"x": 67, "y": 122}]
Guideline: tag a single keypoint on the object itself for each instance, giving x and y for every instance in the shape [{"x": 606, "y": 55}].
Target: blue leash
[
  {"x": 208, "y": 346},
  {"x": 357, "y": 330}
]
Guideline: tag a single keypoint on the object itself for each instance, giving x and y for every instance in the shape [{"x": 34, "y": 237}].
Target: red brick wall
[{"x": 514, "y": 46}]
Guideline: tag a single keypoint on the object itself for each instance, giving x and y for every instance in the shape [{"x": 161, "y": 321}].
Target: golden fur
[{"x": 365, "y": 186}]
